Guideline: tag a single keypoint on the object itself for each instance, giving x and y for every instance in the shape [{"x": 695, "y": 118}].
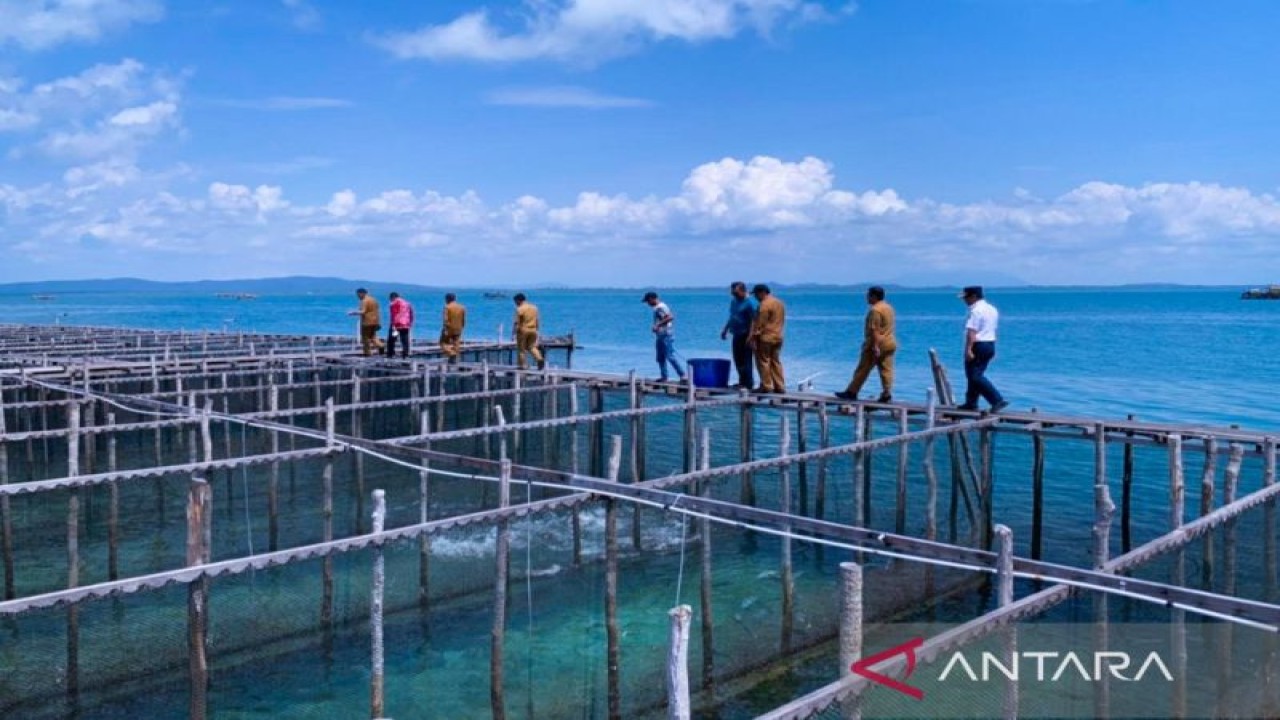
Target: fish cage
[{"x": 231, "y": 525}]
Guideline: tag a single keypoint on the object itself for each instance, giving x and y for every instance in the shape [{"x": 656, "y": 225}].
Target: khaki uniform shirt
[
  {"x": 879, "y": 327},
  {"x": 455, "y": 318},
  {"x": 770, "y": 320},
  {"x": 370, "y": 313},
  {"x": 526, "y": 318}
]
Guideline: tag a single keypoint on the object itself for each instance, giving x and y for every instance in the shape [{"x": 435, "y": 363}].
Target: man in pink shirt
[{"x": 401, "y": 322}]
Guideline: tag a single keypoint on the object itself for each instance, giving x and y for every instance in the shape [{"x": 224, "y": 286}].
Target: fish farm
[{"x": 244, "y": 525}]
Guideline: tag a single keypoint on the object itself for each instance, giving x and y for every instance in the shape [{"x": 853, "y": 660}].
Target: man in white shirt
[
  {"x": 980, "y": 350},
  {"x": 664, "y": 336}
]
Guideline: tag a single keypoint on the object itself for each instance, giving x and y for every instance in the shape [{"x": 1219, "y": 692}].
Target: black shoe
[
  {"x": 761, "y": 391},
  {"x": 966, "y": 406},
  {"x": 846, "y": 395},
  {"x": 884, "y": 398},
  {"x": 999, "y": 406}
]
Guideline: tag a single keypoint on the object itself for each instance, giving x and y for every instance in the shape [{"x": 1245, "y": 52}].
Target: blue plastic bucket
[{"x": 709, "y": 372}]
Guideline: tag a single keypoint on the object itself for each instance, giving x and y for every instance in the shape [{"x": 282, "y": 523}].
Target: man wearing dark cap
[
  {"x": 766, "y": 340},
  {"x": 664, "y": 329},
  {"x": 979, "y": 350}
]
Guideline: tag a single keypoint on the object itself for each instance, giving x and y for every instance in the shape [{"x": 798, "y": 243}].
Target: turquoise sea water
[
  {"x": 1198, "y": 356},
  {"x": 1176, "y": 355}
]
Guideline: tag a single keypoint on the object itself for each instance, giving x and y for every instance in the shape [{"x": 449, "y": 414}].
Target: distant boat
[
  {"x": 237, "y": 296},
  {"x": 1270, "y": 292},
  {"x": 495, "y": 295},
  {"x": 44, "y": 297}
]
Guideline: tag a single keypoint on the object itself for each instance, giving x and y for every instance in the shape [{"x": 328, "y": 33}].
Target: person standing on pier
[
  {"x": 980, "y": 350},
  {"x": 401, "y": 322},
  {"x": 664, "y": 336},
  {"x": 742, "y": 314},
  {"x": 370, "y": 323},
  {"x": 878, "y": 348},
  {"x": 455, "y": 320},
  {"x": 766, "y": 340},
  {"x": 526, "y": 325}
]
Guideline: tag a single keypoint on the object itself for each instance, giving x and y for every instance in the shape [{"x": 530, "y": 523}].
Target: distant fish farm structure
[
  {"x": 1270, "y": 292},
  {"x": 233, "y": 524}
]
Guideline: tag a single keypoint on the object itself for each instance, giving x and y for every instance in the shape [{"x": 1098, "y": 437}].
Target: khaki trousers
[
  {"x": 769, "y": 365},
  {"x": 527, "y": 342},
  {"x": 450, "y": 344},
  {"x": 868, "y": 360},
  {"x": 369, "y": 340}
]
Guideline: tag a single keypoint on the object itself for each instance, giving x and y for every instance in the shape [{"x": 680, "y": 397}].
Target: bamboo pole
[
  {"x": 1004, "y": 584},
  {"x": 784, "y": 503},
  {"x": 824, "y": 441},
  {"x": 636, "y": 401},
  {"x": 704, "y": 592},
  {"x": 802, "y": 467},
  {"x": 273, "y": 481},
  {"x": 678, "y": 707},
  {"x": 746, "y": 422},
  {"x": 1178, "y": 628},
  {"x": 378, "y": 674},
  {"x": 688, "y": 448},
  {"x": 1104, "y": 508},
  {"x": 573, "y": 468},
  {"x": 850, "y": 631},
  {"x": 613, "y": 651},
  {"x": 868, "y": 464},
  {"x": 1207, "y": 479},
  {"x": 1037, "y": 491},
  {"x": 6, "y": 517},
  {"x": 357, "y": 430},
  {"x": 199, "y": 517},
  {"x": 861, "y": 505},
  {"x": 930, "y": 474}
]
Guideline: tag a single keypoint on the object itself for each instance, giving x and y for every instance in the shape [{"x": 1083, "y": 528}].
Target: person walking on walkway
[
  {"x": 401, "y": 322},
  {"x": 370, "y": 323},
  {"x": 664, "y": 336},
  {"x": 526, "y": 325},
  {"x": 742, "y": 314},
  {"x": 766, "y": 340},
  {"x": 980, "y": 350},
  {"x": 455, "y": 321},
  {"x": 878, "y": 348}
]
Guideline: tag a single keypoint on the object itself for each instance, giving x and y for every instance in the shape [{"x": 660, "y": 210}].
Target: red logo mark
[{"x": 908, "y": 648}]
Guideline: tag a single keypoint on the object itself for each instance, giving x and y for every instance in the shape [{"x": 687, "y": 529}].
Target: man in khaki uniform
[
  {"x": 766, "y": 340},
  {"x": 525, "y": 325},
  {"x": 370, "y": 323},
  {"x": 878, "y": 348},
  {"x": 455, "y": 320}
]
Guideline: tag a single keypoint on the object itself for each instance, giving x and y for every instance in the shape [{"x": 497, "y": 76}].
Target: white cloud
[
  {"x": 42, "y": 24},
  {"x": 304, "y": 14},
  {"x": 596, "y": 30},
  {"x": 562, "y": 96},
  {"x": 790, "y": 217},
  {"x": 285, "y": 103}
]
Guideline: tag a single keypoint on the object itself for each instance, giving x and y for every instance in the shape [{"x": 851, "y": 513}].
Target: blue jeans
[
  {"x": 975, "y": 371},
  {"x": 666, "y": 347}
]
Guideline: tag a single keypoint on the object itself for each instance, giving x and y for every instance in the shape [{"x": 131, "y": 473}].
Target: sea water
[{"x": 1198, "y": 356}]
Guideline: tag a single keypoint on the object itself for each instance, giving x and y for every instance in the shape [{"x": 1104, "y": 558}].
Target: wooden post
[
  {"x": 784, "y": 504},
  {"x": 802, "y": 467},
  {"x": 1206, "y": 505},
  {"x": 688, "y": 447},
  {"x": 900, "y": 519},
  {"x": 595, "y": 432},
  {"x": 573, "y": 469},
  {"x": 1126, "y": 496},
  {"x": 273, "y": 482},
  {"x": 357, "y": 430},
  {"x": 424, "y": 507},
  {"x": 1004, "y": 584},
  {"x": 1037, "y": 491},
  {"x": 704, "y": 594},
  {"x": 1178, "y": 628},
  {"x": 326, "y": 513},
  {"x": 113, "y": 507},
  {"x": 867, "y": 462},
  {"x": 637, "y": 451},
  {"x": 861, "y": 505},
  {"x": 73, "y": 555},
  {"x": 930, "y": 475},
  {"x": 6, "y": 518},
  {"x": 824, "y": 441},
  {"x": 678, "y": 664},
  {"x": 986, "y": 456},
  {"x": 746, "y": 422},
  {"x": 378, "y": 679},
  {"x": 611, "y": 588},
  {"x": 199, "y": 518},
  {"x": 850, "y": 630},
  {"x": 1104, "y": 508},
  {"x": 502, "y": 553}
]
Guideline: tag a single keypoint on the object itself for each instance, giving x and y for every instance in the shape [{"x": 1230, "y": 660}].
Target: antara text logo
[{"x": 1026, "y": 665}]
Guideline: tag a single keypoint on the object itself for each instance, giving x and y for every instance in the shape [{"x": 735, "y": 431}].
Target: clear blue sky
[{"x": 638, "y": 142}]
